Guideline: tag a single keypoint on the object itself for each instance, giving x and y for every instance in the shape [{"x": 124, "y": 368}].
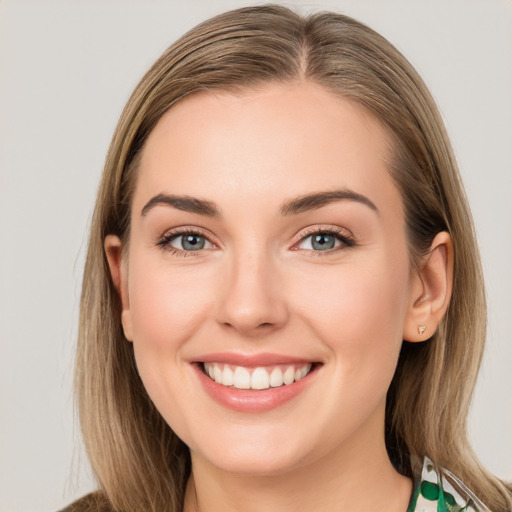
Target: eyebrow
[
  {"x": 319, "y": 199},
  {"x": 184, "y": 203},
  {"x": 293, "y": 207}
]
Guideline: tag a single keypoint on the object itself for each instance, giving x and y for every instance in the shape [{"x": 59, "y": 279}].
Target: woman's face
[{"x": 267, "y": 241}]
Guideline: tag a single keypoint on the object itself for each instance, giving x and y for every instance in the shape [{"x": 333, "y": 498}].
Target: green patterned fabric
[{"x": 438, "y": 490}]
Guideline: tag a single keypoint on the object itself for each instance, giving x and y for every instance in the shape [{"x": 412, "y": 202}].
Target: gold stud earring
[{"x": 421, "y": 329}]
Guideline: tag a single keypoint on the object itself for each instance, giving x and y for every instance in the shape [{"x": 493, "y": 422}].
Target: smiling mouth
[{"x": 257, "y": 378}]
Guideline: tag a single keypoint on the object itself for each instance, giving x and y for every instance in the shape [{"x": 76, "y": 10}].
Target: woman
[{"x": 282, "y": 283}]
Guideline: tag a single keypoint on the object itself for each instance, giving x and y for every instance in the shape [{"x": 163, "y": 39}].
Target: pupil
[
  {"x": 323, "y": 242},
  {"x": 192, "y": 242}
]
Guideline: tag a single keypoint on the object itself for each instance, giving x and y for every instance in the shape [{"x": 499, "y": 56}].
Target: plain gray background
[{"x": 66, "y": 70}]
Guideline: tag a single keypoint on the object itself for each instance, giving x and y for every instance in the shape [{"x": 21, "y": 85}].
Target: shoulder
[
  {"x": 437, "y": 489},
  {"x": 94, "y": 502}
]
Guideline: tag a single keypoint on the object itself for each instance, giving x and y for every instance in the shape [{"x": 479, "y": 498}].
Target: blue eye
[
  {"x": 325, "y": 241},
  {"x": 189, "y": 242}
]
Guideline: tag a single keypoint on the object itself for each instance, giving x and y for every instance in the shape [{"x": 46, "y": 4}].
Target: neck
[{"x": 347, "y": 479}]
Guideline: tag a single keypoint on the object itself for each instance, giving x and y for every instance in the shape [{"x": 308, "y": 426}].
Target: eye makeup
[
  {"x": 325, "y": 240},
  {"x": 318, "y": 240},
  {"x": 193, "y": 241}
]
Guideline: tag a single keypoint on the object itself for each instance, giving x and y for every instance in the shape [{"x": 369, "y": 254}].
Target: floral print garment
[{"x": 441, "y": 491}]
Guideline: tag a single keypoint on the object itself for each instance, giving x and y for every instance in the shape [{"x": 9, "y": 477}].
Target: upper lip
[{"x": 251, "y": 360}]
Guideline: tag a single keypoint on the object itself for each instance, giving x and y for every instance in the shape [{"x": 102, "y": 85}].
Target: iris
[{"x": 322, "y": 242}]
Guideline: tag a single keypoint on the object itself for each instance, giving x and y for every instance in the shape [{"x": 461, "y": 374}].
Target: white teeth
[
  {"x": 227, "y": 376},
  {"x": 289, "y": 375},
  {"x": 241, "y": 377},
  {"x": 260, "y": 379},
  {"x": 217, "y": 374},
  {"x": 276, "y": 378},
  {"x": 304, "y": 370}
]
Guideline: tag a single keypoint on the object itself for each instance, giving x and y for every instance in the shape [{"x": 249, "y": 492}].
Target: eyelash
[
  {"x": 346, "y": 241},
  {"x": 165, "y": 242}
]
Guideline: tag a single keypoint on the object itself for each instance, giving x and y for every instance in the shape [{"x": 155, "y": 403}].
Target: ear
[
  {"x": 430, "y": 290},
  {"x": 119, "y": 272}
]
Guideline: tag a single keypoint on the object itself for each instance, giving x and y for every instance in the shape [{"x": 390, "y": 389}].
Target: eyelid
[
  {"x": 164, "y": 240},
  {"x": 344, "y": 235},
  {"x": 184, "y": 236}
]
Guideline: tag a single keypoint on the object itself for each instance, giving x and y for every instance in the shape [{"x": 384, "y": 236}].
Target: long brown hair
[{"x": 139, "y": 462}]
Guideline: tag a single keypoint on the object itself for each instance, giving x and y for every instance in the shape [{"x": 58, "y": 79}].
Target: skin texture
[{"x": 258, "y": 286}]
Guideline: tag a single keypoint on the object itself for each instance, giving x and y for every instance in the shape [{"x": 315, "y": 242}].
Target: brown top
[{"x": 94, "y": 502}]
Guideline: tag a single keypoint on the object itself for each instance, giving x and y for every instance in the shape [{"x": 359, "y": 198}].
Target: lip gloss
[{"x": 252, "y": 401}]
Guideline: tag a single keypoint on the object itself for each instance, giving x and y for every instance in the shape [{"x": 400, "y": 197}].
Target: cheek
[
  {"x": 168, "y": 306},
  {"x": 167, "y": 303},
  {"x": 359, "y": 311}
]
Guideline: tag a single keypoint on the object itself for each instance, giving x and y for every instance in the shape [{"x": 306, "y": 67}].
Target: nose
[{"x": 253, "y": 300}]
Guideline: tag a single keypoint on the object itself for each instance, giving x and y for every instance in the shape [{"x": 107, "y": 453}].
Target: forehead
[{"x": 279, "y": 141}]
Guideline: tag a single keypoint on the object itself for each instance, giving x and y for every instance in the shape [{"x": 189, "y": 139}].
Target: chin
[
  {"x": 247, "y": 457},
  {"x": 257, "y": 465}
]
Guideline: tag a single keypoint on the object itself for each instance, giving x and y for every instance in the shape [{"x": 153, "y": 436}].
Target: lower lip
[{"x": 246, "y": 400}]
